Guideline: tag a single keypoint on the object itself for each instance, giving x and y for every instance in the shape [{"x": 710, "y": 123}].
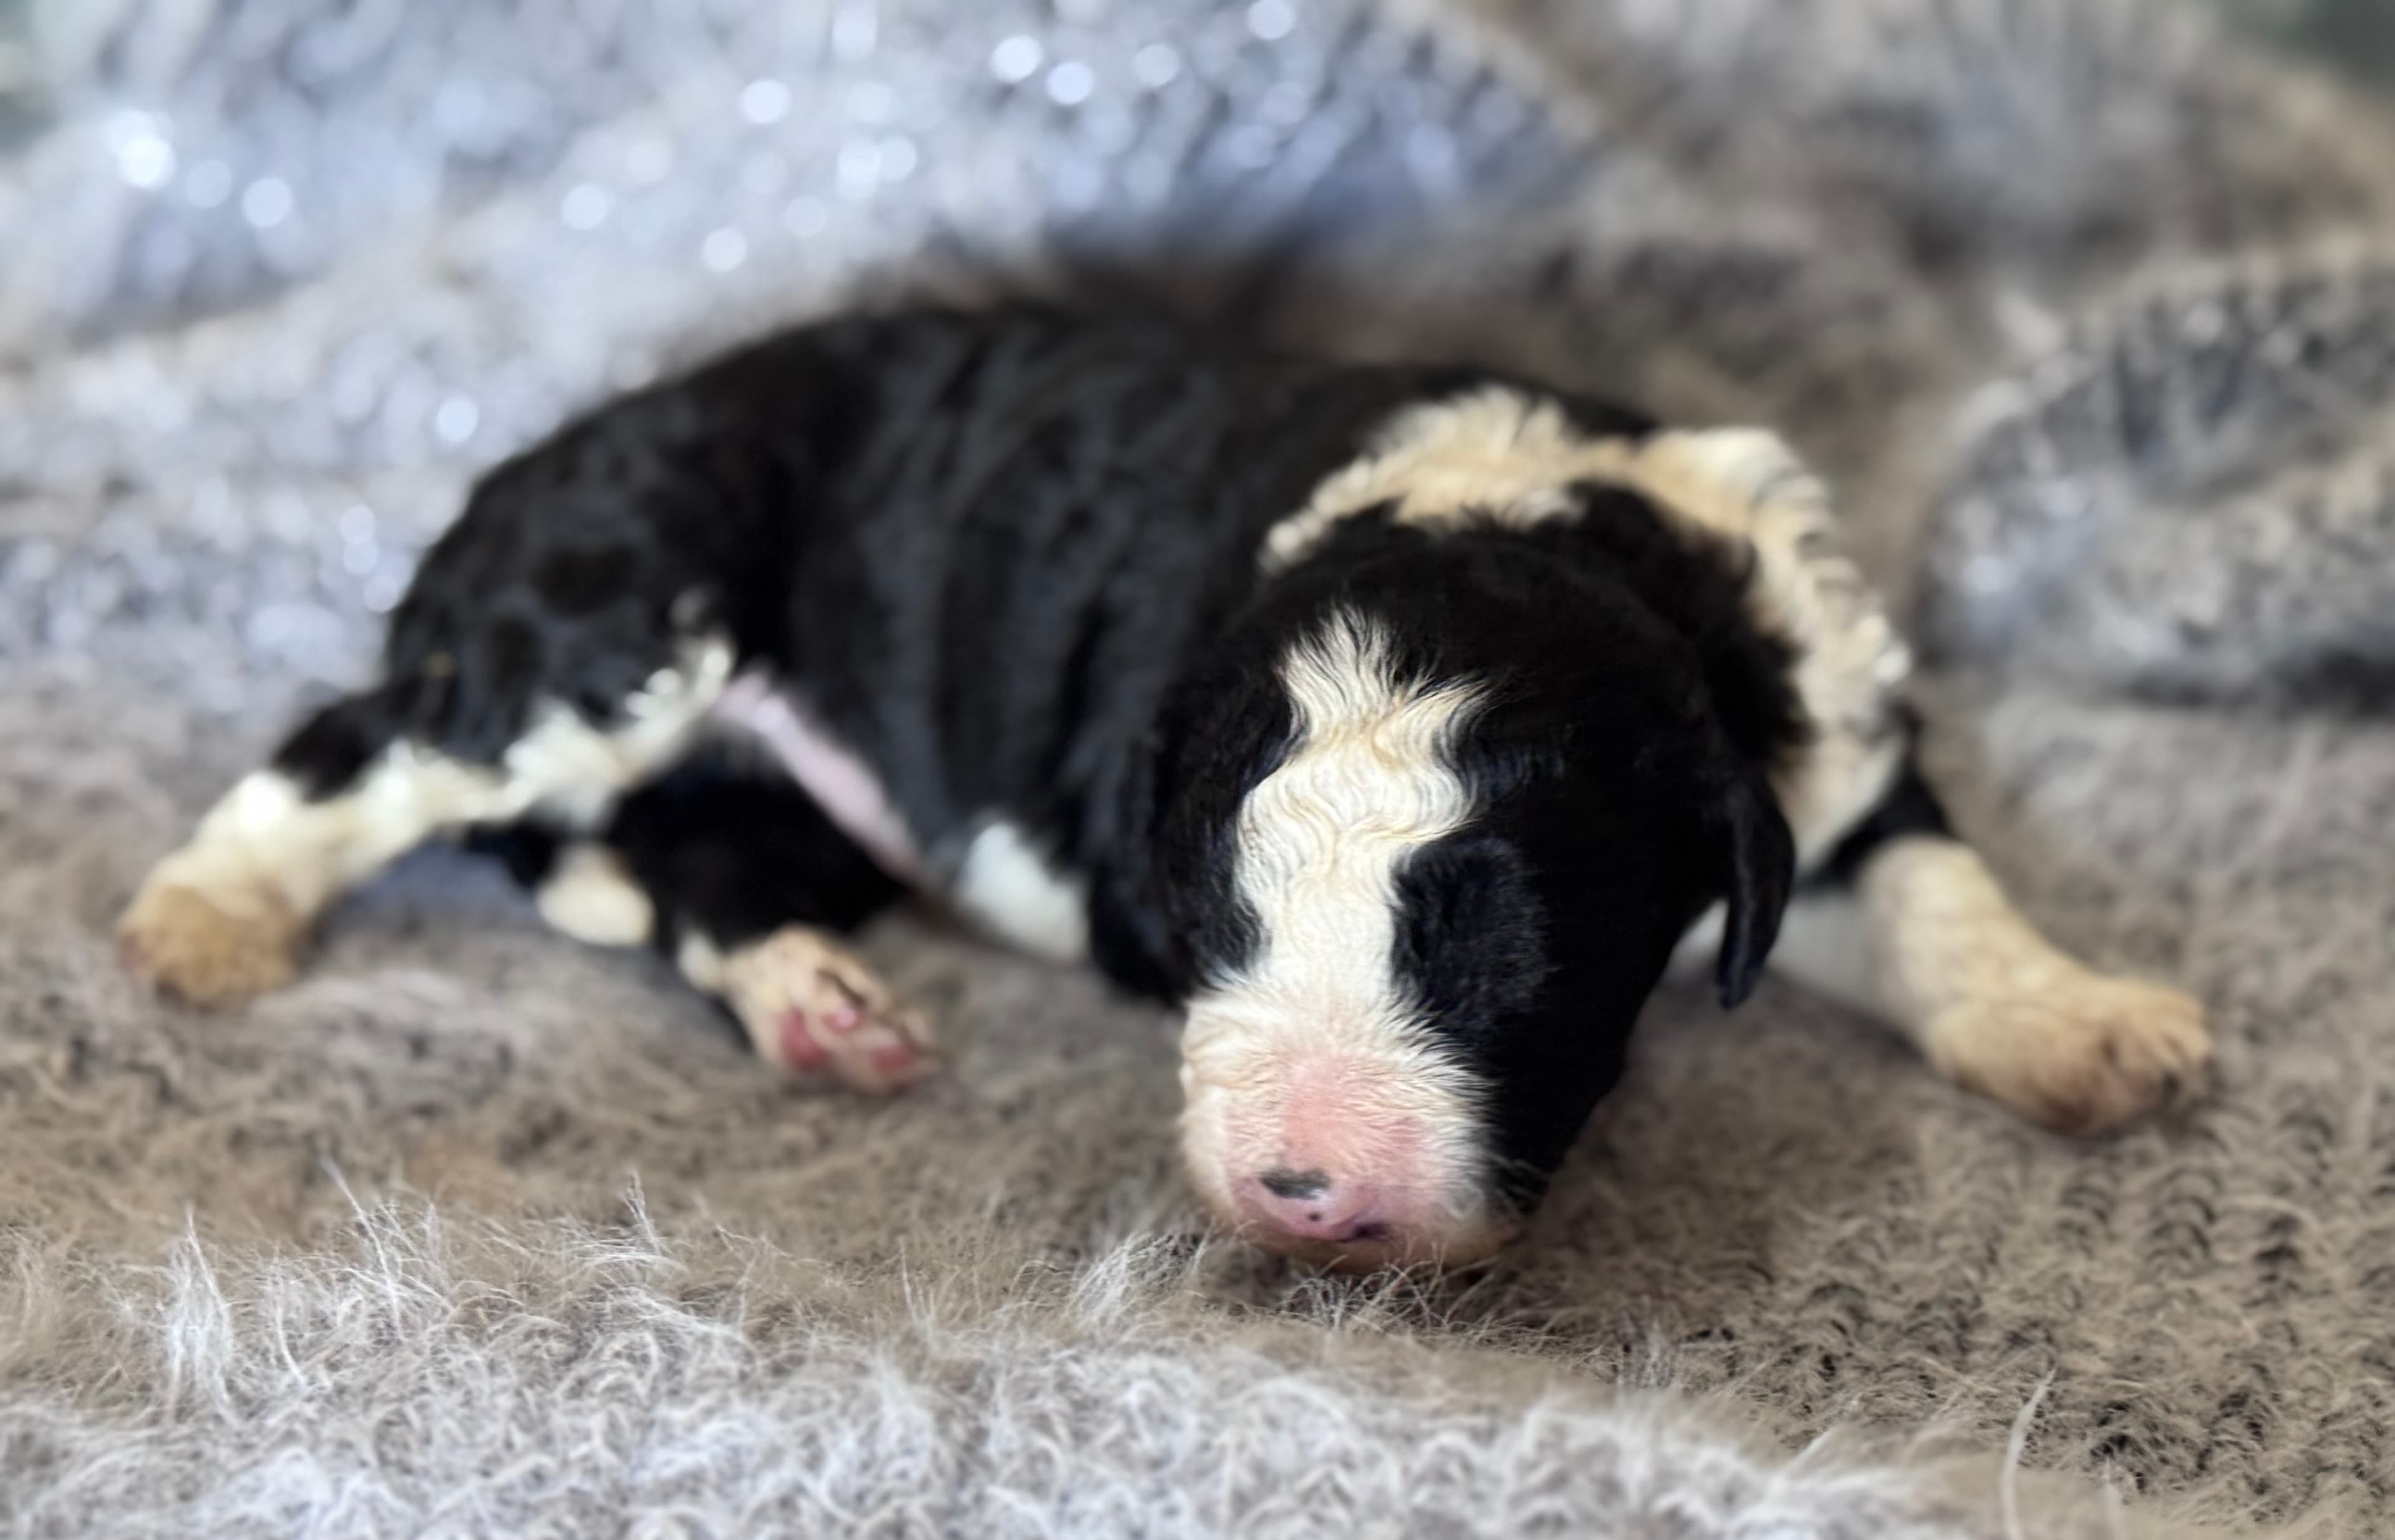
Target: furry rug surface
[{"x": 474, "y": 1232}]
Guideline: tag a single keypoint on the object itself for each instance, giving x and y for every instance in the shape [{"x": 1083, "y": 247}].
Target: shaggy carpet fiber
[{"x": 474, "y": 1232}]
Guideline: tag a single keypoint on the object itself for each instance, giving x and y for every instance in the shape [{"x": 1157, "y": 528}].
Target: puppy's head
[{"x": 1432, "y": 836}]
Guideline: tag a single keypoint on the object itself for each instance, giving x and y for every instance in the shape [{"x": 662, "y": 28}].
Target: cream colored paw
[
  {"x": 812, "y": 1006},
  {"x": 593, "y": 898},
  {"x": 2080, "y": 1054},
  {"x": 209, "y": 949}
]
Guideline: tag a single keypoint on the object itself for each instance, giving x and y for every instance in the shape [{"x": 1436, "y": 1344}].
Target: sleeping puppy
[{"x": 1399, "y": 726}]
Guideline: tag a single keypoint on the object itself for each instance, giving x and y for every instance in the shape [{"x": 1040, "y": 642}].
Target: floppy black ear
[{"x": 1759, "y": 857}]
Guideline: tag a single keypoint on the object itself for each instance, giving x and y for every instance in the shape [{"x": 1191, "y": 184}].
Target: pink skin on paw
[
  {"x": 800, "y": 1049},
  {"x": 814, "y": 1007}
]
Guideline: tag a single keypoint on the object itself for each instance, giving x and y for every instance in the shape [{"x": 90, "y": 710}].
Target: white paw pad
[
  {"x": 814, "y": 1007},
  {"x": 2080, "y": 1053}
]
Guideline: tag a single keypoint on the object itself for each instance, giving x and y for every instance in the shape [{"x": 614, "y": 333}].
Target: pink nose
[{"x": 1309, "y": 1205}]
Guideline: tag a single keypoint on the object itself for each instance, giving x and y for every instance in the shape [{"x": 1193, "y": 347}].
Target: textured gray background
[{"x": 2087, "y": 316}]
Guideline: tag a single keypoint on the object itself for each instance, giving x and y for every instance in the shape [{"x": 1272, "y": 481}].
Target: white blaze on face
[{"x": 1312, "y": 1058}]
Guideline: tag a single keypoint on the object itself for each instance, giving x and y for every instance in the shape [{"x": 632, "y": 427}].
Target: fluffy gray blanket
[{"x": 477, "y": 1232}]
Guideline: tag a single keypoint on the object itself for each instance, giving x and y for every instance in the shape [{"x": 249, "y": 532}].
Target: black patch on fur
[
  {"x": 1909, "y": 808},
  {"x": 734, "y": 855},
  {"x": 332, "y": 749},
  {"x": 725, "y": 848},
  {"x": 529, "y": 851}
]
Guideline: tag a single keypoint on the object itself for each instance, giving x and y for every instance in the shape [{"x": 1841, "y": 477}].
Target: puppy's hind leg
[
  {"x": 1906, "y": 924},
  {"x": 225, "y": 917},
  {"x": 753, "y": 891},
  {"x": 740, "y": 878}
]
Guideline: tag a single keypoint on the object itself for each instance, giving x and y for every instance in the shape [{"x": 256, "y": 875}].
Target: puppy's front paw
[
  {"x": 2079, "y": 1052},
  {"x": 810, "y": 1005},
  {"x": 209, "y": 949}
]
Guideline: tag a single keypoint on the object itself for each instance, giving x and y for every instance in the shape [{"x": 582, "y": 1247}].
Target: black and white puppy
[{"x": 1399, "y": 725}]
